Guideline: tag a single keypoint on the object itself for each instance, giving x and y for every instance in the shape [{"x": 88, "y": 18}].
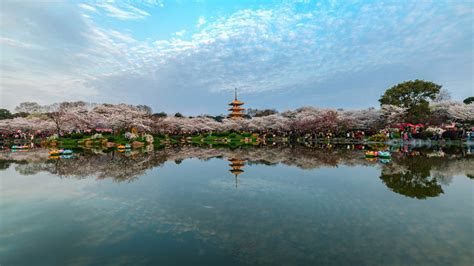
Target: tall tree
[
  {"x": 469, "y": 100},
  {"x": 415, "y": 96},
  {"x": 5, "y": 114},
  {"x": 29, "y": 107}
]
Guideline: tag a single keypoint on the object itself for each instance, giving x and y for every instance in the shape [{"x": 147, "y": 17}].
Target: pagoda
[
  {"x": 236, "y": 168},
  {"x": 236, "y": 109}
]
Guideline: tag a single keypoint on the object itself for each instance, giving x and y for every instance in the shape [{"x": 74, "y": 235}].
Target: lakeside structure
[{"x": 236, "y": 109}]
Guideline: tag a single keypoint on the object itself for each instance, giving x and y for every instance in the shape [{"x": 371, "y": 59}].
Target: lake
[{"x": 249, "y": 206}]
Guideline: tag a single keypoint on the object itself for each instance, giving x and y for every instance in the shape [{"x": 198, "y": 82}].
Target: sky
[{"x": 188, "y": 56}]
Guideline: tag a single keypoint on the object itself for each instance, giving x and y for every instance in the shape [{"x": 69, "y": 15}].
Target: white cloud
[
  {"x": 201, "y": 21},
  {"x": 88, "y": 7},
  {"x": 180, "y": 33},
  {"x": 14, "y": 43},
  {"x": 128, "y": 12}
]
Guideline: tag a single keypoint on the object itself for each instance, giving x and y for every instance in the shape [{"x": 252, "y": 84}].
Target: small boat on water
[
  {"x": 20, "y": 147},
  {"x": 55, "y": 152},
  {"x": 384, "y": 154},
  {"x": 371, "y": 154},
  {"x": 378, "y": 154},
  {"x": 67, "y": 152},
  {"x": 61, "y": 152},
  {"x": 124, "y": 147}
]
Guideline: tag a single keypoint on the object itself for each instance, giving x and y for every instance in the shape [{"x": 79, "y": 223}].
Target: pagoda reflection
[{"x": 236, "y": 168}]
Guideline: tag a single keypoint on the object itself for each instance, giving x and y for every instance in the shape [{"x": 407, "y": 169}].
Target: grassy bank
[{"x": 224, "y": 139}]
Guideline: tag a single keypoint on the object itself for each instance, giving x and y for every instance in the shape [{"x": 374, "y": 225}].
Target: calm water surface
[{"x": 256, "y": 206}]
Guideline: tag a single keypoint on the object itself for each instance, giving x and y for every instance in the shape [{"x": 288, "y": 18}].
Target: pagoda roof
[
  {"x": 236, "y": 172},
  {"x": 236, "y": 109},
  {"x": 236, "y": 102}
]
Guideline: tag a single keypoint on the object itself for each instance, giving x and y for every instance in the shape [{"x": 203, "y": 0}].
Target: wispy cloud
[
  {"x": 14, "y": 43},
  {"x": 180, "y": 33},
  {"x": 127, "y": 12},
  {"x": 88, "y": 7},
  {"x": 201, "y": 21}
]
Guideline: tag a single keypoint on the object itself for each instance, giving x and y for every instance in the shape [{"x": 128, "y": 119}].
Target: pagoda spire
[{"x": 235, "y": 90}]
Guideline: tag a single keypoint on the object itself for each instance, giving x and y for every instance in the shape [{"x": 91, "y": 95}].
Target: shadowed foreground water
[{"x": 256, "y": 206}]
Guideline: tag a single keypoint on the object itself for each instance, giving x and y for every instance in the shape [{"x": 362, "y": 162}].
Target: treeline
[{"x": 409, "y": 102}]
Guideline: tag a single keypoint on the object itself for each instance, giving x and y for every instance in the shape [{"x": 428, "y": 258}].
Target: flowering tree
[
  {"x": 120, "y": 116},
  {"x": 392, "y": 114},
  {"x": 452, "y": 111},
  {"x": 26, "y": 124},
  {"x": 363, "y": 119}
]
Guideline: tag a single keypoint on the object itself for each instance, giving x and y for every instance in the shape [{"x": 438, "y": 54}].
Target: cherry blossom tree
[{"x": 392, "y": 114}]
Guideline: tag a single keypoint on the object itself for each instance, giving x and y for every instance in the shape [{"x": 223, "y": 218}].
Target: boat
[
  {"x": 124, "y": 147},
  {"x": 371, "y": 154},
  {"x": 385, "y": 161},
  {"x": 384, "y": 154},
  {"x": 67, "y": 152},
  {"x": 55, "y": 152},
  {"x": 20, "y": 147},
  {"x": 67, "y": 156}
]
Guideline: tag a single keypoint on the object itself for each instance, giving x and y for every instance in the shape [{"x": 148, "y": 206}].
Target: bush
[
  {"x": 97, "y": 136},
  {"x": 396, "y": 135},
  {"x": 423, "y": 135},
  {"x": 220, "y": 134},
  {"x": 53, "y": 137},
  {"x": 451, "y": 134},
  {"x": 113, "y": 138},
  {"x": 378, "y": 138},
  {"x": 76, "y": 136},
  {"x": 148, "y": 138},
  {"x": 130, "y": 136}
]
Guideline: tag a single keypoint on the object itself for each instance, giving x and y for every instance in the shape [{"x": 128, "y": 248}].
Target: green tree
[
  {"x": 5, "y": 114},
  {"x": 20, "y": 114},
  {"x": 415, "y": 96},
  {"x": 160, "y": 115},
  {"x": 468, "y": 100}
]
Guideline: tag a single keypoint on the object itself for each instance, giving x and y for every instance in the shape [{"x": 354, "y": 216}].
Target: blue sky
[{"x": 188, "y": 56}]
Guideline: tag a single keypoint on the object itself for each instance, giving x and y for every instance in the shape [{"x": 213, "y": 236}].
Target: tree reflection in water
[
  {"x": 411, "y": 177},
  {"x": 419, "y": 173}
]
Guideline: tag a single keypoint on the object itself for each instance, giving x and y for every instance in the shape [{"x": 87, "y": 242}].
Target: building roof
[{"x": 236, "y": 102}]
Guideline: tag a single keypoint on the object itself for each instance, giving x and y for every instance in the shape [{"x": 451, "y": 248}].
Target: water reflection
[
  {"x": 412, "y": 177},
  {"x": 293, "y": 206},
  {"x": 236, "y": 168},
  {"x": 413, "y": 172}
]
